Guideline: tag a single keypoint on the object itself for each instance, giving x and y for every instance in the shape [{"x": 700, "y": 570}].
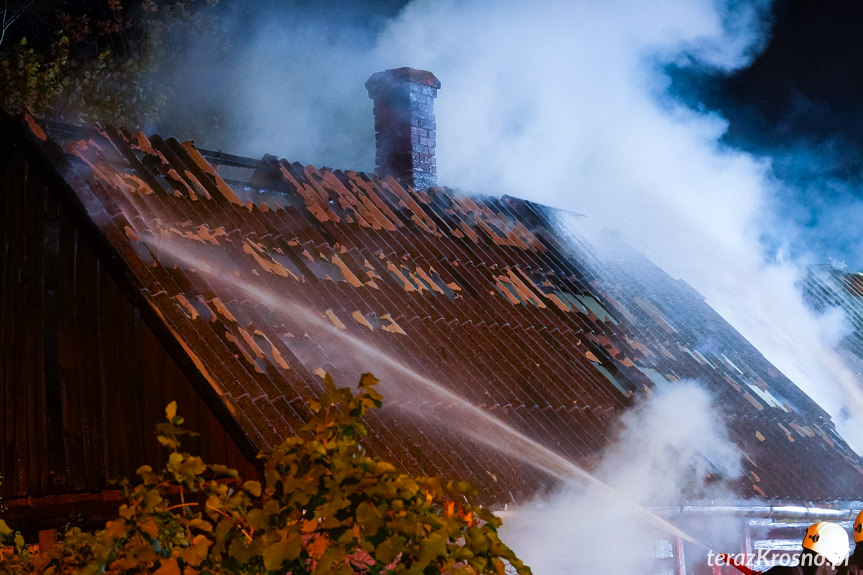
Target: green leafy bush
[
  {"x": 104, "y": 62},
  {"x": 325, "y": 506}
]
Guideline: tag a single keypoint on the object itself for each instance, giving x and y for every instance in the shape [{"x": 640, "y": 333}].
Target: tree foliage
[
  {"x": 325, "y": 506},
  {"x": 101, "y": 61}
]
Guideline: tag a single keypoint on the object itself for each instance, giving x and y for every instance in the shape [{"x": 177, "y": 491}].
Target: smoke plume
[
  {"x": 567, "y": 103},
  {"x": 587, "y": 532},
  {"x": 569, "y": 106}
]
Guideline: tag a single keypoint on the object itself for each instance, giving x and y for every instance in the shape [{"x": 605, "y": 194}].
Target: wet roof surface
[
  {"x": 482, "y": 294},
  {"x": 829, "y": 287}
]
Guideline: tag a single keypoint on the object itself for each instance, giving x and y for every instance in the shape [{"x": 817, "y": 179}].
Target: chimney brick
[{"x": 405, "y": 125}]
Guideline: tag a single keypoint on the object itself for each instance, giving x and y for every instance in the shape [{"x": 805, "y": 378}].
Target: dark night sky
[
  {"x": 807, "y": 81},
  {"x": 799, "y": 104}
]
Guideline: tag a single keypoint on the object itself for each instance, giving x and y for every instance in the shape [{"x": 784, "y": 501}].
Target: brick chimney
[{"x": 404, "y": 125}]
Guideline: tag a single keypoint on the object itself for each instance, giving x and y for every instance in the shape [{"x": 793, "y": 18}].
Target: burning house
[{"x": 137, "y": 270}]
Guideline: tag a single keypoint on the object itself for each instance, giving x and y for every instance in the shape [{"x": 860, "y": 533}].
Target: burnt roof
[{"x": 484, "y": 294}]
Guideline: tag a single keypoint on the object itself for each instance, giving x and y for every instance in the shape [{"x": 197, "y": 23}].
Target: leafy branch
[
  {"x": 10, "y": 16},
  {"x": 103, "y": 64},
  {"x": 324, "y": 506}
]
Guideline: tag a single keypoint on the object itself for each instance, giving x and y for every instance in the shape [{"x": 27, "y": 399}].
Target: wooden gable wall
[{"x": 83, "y": 378}]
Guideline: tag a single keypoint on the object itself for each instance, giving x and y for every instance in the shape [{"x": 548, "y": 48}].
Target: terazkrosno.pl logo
[{"x": 766, "y": 557}]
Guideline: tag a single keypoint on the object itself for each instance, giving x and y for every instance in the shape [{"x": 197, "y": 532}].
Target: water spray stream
[{"x": 493, "y": 433}]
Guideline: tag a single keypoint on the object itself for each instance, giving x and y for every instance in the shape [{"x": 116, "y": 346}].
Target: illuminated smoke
[
  {"x": 667, "y": 446},
  {"x": 567, "y": 104}
]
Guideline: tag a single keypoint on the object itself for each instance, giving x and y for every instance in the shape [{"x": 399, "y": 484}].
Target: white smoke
[
  {"x": 668, "y": 445},
  {"x": 565, "y": 102},
  {"x": 566, "y": 105}
]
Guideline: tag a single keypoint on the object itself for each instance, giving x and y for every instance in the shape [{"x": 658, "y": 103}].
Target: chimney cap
[
  {"x": 389, "y": 78},
  {"x": 405, "y": 125}
]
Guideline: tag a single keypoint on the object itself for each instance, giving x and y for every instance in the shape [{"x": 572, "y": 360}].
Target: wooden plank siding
[{"x": 83, "y": 378}]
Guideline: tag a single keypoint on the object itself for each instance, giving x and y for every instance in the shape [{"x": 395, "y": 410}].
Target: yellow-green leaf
[
  {"x": 201, "y": 524},
  {"x": 368, "y": 518},
  {"x": 167, "y": 442},
  {"x": 223, "y": 470},
  {"x": 382, "y": 467},
  {"x": 285, "y": 550},
  {"x": 171, "y": 410},
  {"x": 253, "y": 487},
  {"x": 385, "y": 552},
  {"x": 257, "y": 519},
  {"x": 152, "y": 499},
  {"x": 195, "y": 554},
  {"x": 430, "y": 549}
]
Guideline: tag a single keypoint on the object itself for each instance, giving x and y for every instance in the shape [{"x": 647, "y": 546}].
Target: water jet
[{"x": 494, "y": 433}]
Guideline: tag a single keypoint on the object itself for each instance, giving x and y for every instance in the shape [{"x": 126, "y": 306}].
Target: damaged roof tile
[{"x": 571, "y": 329}]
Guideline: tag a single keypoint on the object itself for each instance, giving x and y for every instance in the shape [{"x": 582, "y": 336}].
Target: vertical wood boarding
[{"x": 83, "y": 379}]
